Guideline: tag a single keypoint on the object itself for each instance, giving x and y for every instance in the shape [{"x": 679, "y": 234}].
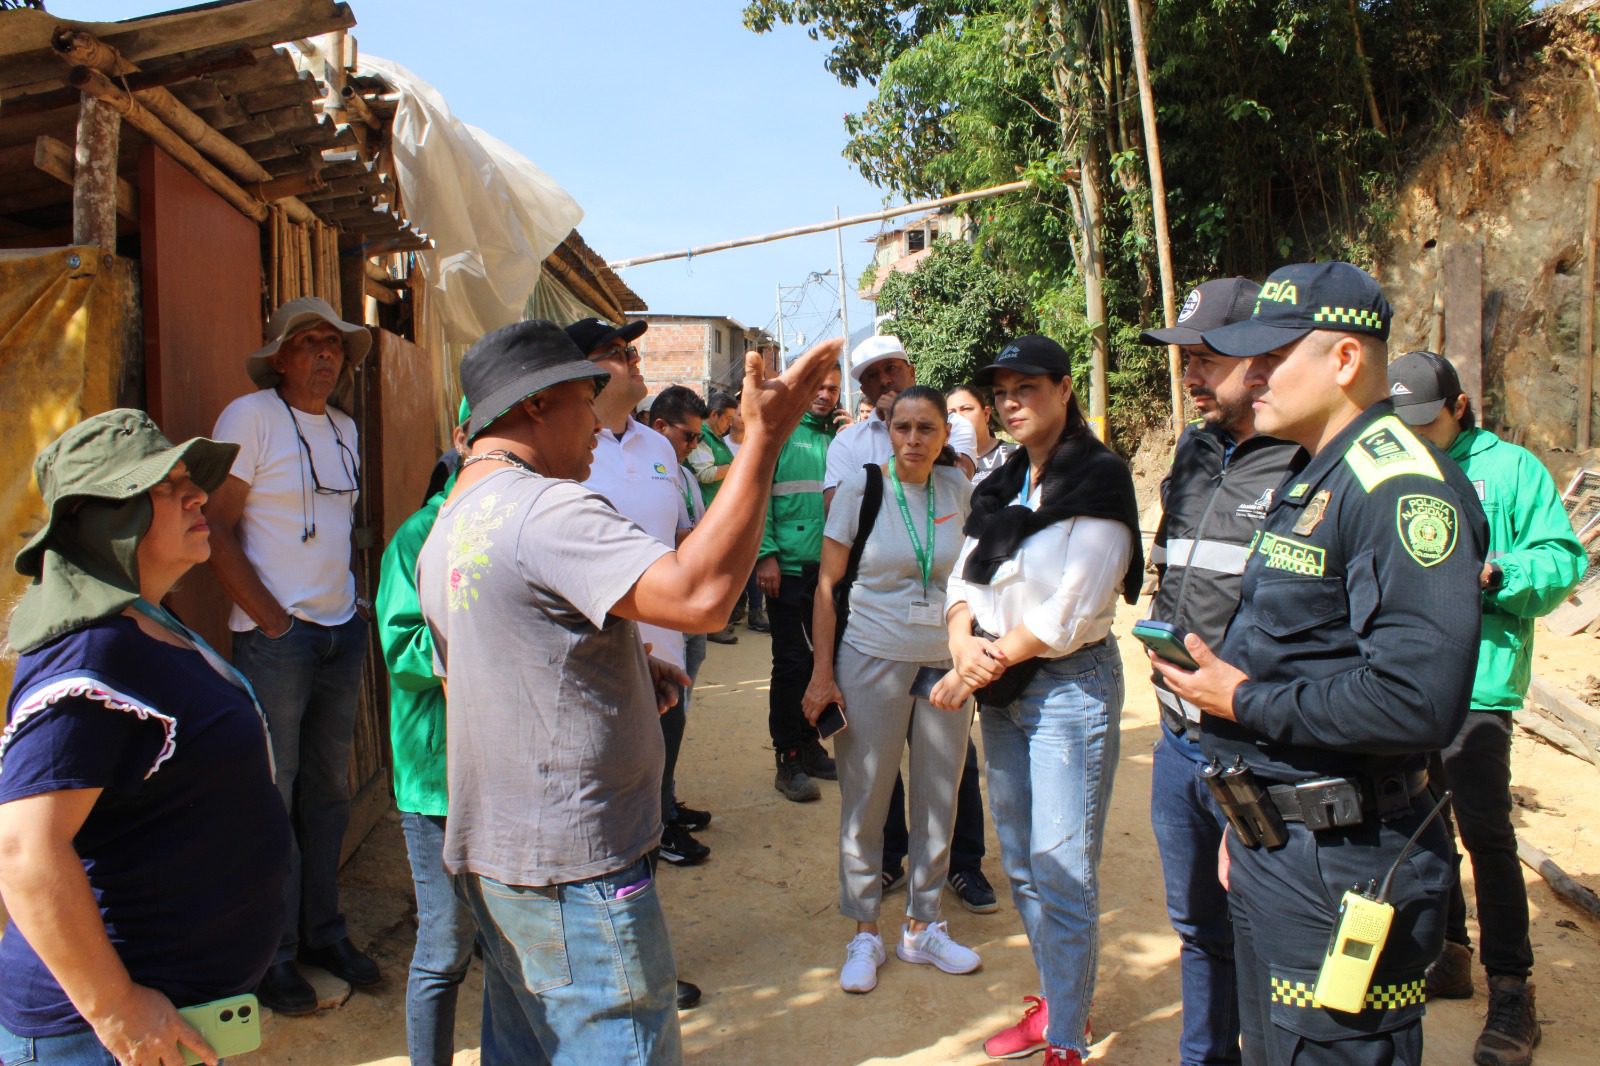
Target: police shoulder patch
[
  {"x": 1427, "y": 527},
  {"x": 1388, "y": 449}
]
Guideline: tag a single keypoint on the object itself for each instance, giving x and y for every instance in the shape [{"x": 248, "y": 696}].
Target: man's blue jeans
[
  {"x": 1188, "y": 827},
  {"x": 309, "y": 682},
  {"x": 1052, "y": 755},
  {"x": 575, "y": 974},
  {"x": 445, "y": 932},
  {"x": 81, "y": 1048}
]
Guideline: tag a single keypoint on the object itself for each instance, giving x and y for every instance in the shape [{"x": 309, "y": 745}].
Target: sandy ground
[{"x": 757, "y": 925}]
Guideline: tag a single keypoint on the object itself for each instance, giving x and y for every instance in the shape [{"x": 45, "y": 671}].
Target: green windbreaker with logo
[
  {"x": 1531, "y": 540},
  {"x": 795, "y": 513}
]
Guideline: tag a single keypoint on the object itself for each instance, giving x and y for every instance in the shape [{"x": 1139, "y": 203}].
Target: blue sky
[{"x": 670, "y": 123}]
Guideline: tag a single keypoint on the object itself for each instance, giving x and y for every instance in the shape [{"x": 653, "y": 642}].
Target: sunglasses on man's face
[{"x": 692, "y": 438}]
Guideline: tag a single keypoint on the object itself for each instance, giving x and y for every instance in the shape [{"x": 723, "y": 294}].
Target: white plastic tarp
[{"x": 492, "y": 214}]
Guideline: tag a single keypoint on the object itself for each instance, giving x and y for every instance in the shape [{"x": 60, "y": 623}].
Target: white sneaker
[
  {"x": 933, "y": 945},
  {"x": 861, "y": 961}
]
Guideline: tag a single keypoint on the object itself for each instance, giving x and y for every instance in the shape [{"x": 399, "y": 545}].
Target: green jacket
[
  {"x": 1531, "y": 540},
  {"x": 416, "y": 697},
  {"x": 721, "y": 455},
  {"x": 794, "y": 512}
]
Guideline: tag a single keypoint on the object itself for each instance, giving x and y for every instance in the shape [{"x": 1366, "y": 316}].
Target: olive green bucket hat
[{"x": 95, "y": 479}]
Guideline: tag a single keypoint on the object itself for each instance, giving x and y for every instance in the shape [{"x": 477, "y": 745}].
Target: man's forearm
[
  {"x": 721, "y": 551},
  {"x": 241, "y": 582}
]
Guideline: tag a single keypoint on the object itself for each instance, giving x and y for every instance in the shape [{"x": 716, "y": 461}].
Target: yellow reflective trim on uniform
[
  {"x": 1387, "y": 449},
  {"x": 1390, "y": 997},
  {"x": 1291, "y": 993}
]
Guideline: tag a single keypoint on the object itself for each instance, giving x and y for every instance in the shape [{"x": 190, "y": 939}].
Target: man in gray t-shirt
[{"x": 532, "y": 588}]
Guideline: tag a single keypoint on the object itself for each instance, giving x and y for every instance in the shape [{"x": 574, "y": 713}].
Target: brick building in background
[{"x": 701, "y": 351}]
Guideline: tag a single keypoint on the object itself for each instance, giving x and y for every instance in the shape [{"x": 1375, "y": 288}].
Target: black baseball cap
[
  {"x": 1420, "y": 384},
  {"x": 1032, "y": 354},
  {"x": 1217, "y": 303},
  {"x": 1302, "y": 297},
  {"x": 590, "y": 333},
  {"x": 515, "y": 362}
]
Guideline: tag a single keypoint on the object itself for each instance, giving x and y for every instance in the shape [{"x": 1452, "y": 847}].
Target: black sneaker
[
  {"x": 688, "y": 995},
  {"x": 681, "y": 849},
  {"x": 973, "y": 890},
  {"x": 893, "y": 877},
  {"x": 818, "y": 763},
  {"x": 792, "y": 779},
  {"x": 690, "y": 819},
  {"x": 723, "y": 635},
  {"x": 757, "y": 622},
  {"x": 1512, "y": 1030}
]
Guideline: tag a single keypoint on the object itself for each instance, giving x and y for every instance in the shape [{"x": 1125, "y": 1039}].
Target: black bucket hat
[{"x": 515, "y": 362}]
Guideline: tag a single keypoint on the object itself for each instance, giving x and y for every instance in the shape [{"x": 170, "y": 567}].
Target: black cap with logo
[
  {"x": 1420, "y": 384},
  {"x": 1302, "y": 297},
  {"x": 1032, "y": 354},
  {"x": 590, "y": 333},
  {"x": 1213, "y": 305}
]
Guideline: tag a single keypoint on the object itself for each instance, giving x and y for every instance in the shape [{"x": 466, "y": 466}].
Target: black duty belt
[{"x": 1257, "y": 810}]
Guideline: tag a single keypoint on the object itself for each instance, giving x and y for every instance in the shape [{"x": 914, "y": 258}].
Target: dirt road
[{"x": 757, "y": 926}]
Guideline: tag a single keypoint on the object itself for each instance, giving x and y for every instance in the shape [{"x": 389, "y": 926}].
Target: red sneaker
[
  {"x": 1026, "y": 1037},
  {"x": 1055, "y": 1056}
]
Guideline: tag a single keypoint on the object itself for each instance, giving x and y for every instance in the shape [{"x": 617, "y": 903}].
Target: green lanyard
[{"x": 924, "y": 556}]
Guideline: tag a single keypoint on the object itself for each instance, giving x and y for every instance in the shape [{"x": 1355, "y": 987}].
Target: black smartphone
[
  {"x": 830, "y": 721},
  {"x": 927, "y": 677},
  {"x": 1166, "y": 640}
]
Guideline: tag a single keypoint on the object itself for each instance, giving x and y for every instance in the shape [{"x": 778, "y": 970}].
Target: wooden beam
[
  {"x": 1560, "y": 882},
  {"x": 380, "y": 292},
  {"x": 302, "y": 90},
  {"x": 98, "y": 85},
  {"x": 94, "y": 178},
  {"x": 56, "y": 159},
  {"x": 287, "y": 186},
  {"x": 206, "y": 27},
  {"x": 582, "y": 288}
]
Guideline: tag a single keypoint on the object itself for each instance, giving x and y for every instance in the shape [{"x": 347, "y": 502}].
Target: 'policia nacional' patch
[
  {"x": 1427, "y": 527},
  {"x": 1308, "y": 560}
]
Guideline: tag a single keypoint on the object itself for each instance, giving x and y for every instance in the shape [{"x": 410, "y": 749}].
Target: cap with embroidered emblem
[
  {"x": 1420, "y": 384},
  {"x": 1216, "y": 303},
  {"x": 1303, "y": 297},
  {"x": 1028, "y": 355}
]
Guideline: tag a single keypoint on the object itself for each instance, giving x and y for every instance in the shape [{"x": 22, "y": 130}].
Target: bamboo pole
[
  {"x": 1560, "y": 882},
  {"x": 97, "y": 84},
  {"x": 832, "y": 223},
  {"x": 1158, "y": 201},
  {"x": 1586, "y": 352},
  {"x": 94, "y": 181}
]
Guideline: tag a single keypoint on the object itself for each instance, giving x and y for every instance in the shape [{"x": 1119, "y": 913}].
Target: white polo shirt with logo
[{"x": 638, "y": 474}]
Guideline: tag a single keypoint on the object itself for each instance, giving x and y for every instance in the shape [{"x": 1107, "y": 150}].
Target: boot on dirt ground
[
  {"x": 1450, "y": 975},
  {"x": 1511, "y": 1031},
  {"x": 818, "y": 763},
  {"x": 792, "y": 779}
]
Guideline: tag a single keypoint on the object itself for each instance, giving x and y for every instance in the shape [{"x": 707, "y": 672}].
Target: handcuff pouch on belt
[{"x": 1254, "y": 818}]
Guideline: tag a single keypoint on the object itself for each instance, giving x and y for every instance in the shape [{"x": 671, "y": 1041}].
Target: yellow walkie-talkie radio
[{"x": 1359, "y": 933}]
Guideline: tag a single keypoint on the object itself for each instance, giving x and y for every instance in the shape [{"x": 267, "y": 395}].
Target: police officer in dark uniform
[
  {"x": 1350, "y": 658},
  {"x": 1213, "y": 500}
]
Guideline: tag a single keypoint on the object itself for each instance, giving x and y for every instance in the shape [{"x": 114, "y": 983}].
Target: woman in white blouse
[
  {"x": 1052, "y": 539},
  {"x": 894, "y": 627}
]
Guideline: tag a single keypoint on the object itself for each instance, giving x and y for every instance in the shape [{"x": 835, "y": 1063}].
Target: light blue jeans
[
  {"x": 81, "y": 1048},
  {"x": 575, "y": 975},
  {"x": 445, "y": 932},
  {"x": 1051, "y": 756}
]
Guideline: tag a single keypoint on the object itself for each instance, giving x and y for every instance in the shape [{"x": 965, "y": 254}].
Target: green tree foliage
[
  {"x": 955, "y": 312},
  {"x": 1284, "y": 125}
]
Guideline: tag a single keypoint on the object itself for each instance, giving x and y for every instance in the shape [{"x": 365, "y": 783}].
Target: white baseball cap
[{"x": 876, "y": 350}]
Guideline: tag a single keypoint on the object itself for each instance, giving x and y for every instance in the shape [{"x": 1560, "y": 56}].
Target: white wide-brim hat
[{"x": 294, "y": 316}]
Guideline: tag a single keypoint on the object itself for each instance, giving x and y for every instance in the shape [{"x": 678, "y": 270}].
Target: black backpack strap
[{"x": 871, "y": 502}]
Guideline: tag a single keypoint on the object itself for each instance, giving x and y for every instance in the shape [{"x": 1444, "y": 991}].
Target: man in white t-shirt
[
  {"x": 280, "y": 546},
  {"x": 881, "y": 367}
]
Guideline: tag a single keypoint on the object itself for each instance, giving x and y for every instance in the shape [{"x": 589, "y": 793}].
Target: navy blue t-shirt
[{"x": 186, "y": 848}]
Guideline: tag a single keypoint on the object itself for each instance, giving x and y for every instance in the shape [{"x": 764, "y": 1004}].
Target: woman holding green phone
[
  {"x": 1053, "y": 537},
  {"x": 894, "y": 628},
  {"x": 142, "y": 842}
]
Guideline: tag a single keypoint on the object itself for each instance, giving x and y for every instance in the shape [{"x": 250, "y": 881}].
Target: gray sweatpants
[{"x": 882, "y": 716}]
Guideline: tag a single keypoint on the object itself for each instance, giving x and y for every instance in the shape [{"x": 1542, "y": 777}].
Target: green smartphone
[
  {"x": 232, "y": 1026},
  {"x": 1166, "y": 640}
]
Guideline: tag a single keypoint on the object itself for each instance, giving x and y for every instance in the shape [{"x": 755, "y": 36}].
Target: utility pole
[
  {"x": 782, "y": 362},
  {"x": 844, "y": 320}
]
